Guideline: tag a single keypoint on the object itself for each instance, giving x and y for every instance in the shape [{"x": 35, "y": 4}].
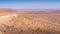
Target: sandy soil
[{"x": 29, "y": 23}]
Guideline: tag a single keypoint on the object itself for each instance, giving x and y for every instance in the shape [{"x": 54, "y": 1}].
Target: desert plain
[{"x": 14, "y": 21}]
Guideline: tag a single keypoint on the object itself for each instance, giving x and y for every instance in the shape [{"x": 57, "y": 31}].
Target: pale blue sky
[{"x": 21, "y": 4}]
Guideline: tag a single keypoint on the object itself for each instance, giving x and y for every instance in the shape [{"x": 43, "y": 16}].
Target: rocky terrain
[{"x": 26, "y": 22}]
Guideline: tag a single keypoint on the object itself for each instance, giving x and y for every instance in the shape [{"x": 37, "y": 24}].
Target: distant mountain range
[{"x": 37, "y": 11}]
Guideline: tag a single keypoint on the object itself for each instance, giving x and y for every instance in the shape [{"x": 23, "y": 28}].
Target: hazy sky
[{"x": 30, "y": 4}]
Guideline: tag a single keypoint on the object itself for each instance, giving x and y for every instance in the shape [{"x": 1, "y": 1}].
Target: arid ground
[{"x": 29, "y": 21}]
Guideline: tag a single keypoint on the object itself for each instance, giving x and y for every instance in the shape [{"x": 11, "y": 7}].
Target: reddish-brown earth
[{"x": 24, "y": 22}]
